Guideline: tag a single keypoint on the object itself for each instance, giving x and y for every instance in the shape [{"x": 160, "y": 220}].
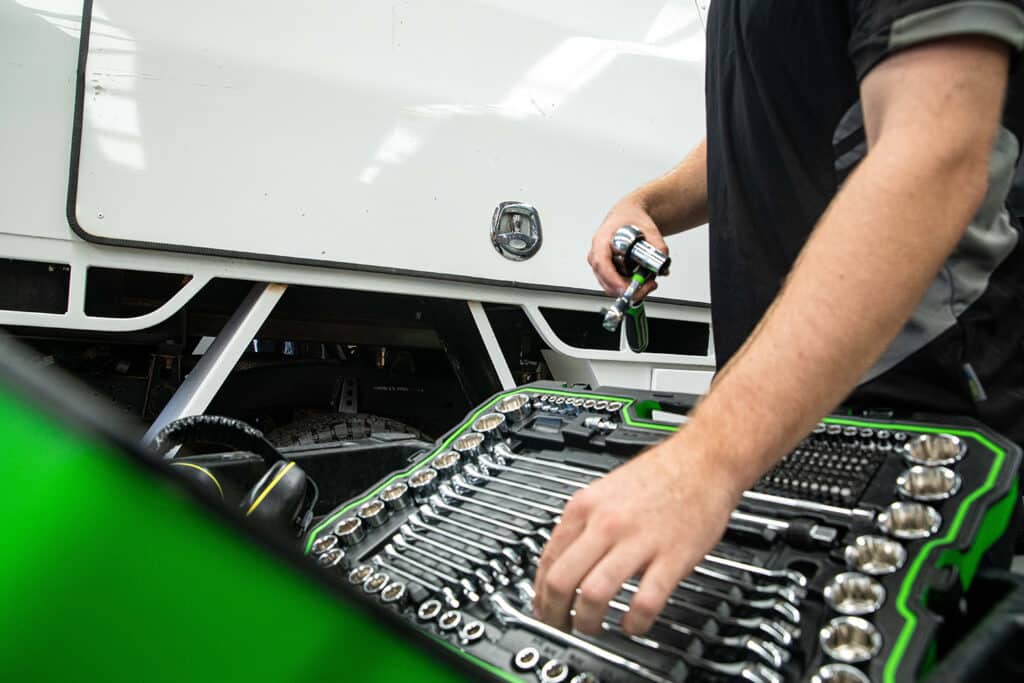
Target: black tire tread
[{"x": 313, "y": 427}]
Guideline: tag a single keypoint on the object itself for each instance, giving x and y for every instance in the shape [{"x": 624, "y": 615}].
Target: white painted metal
[
  {"x": 483, "y": 326},
  {"x": 384, "y": 134},
  {"x": 620, "y": 85},
  {"x": 681, "y": 380},
  {"x": 206, "y": 378}
]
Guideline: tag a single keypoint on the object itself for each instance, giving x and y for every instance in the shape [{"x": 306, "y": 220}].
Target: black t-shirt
[{"x": 784, "y": 130}]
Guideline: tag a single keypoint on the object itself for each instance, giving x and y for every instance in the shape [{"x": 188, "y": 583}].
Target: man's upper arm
[
  {"x": 882, "y": 28},
  {"x": 936, "y": 71}
]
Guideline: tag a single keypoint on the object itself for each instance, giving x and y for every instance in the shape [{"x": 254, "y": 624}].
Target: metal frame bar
[
  {"x": 483, "y": 325},
  {"x": 206, "y": 379}
]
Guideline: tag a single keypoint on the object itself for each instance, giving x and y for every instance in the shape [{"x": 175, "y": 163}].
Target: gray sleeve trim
[{"x": 990, "y": 18}]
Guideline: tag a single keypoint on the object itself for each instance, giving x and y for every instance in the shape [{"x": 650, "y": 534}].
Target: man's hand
[
  {"x": 627, "y": 212},
  {"x": 675, "y": 202},
  {"x": 657, "y": 515}
]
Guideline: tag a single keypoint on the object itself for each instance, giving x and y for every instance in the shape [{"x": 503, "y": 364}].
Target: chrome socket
[
  {"x": 450, "y": 620},
  {"x": 854, "y": 594},
  {"x": 526, "y": 659},
  {"x": 397, "y": 496},
  {"x": 360, "y": 574},
  {"x": 423, "y": 484},
  {"x": 376, "y": 583},
  {"x": 325, "y": 543},
  {"x": 472, "y": 631},
  {"x": 850, "y": 640},
  {"x": 934, "y": 450},
  {"x": 447, "y": 464},
  {"x": 585, "y": 677},
  {"x": 493, "y": 427},
  {"x": 515, "y": 408},
  {"x": 909, "y": 521},
  {"x": 350, "y": 531},
  {"x": 470, "y": 445},
  {"x": 839, "y": 673},
  {"x": 928, "y": 483},
  {"x": 333, "y": 559},
  {"x": 875, "y": 555},
  {"x": 554, "y": 671},
  {"x": 394, "y": 594},
  {"x": 374, "y": 513},
  {"x": 429, "y": 609}
]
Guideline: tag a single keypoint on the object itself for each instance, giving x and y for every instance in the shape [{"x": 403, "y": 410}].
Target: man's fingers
[
  {"x": 660, "y": 578},
  {"x": 566, "y": 573},
  {"x": 603, "y": 583},
  {"x": 648, "y": 287},
  {"x": 610, "y": 280},
  {"x": 574, "y": 518}
]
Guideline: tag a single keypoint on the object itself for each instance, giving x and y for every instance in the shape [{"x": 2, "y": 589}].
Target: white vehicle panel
[{"x": 383, "y": 135}]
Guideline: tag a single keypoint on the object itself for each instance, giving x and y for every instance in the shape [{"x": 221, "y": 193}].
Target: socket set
[{"x": 822, "y": 574}]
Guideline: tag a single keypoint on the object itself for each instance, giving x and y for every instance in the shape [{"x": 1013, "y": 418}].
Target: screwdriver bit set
[{"x": 842, "y": 564}]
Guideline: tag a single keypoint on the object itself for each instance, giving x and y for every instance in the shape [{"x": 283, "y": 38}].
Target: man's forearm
[
  {"x": 858, "y": 279},
  {"x": 678, "y": 200}
]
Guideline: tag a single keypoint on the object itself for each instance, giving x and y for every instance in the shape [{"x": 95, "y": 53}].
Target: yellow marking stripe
[
  {"x": 204, "y": 471},
  {"x": 263, "y": 495}
]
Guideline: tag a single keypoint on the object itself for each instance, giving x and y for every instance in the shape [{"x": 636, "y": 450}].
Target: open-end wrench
[
  {"x": 447, "y": 593},
  {"x": 789, "y": 575},
  {"x": 527, "y": 543},
  {"x": 744, "y": 603},
  {"x": 408, "y": 576},
  {"x": 437, "y": 504},
  {"x": 782, "y": 633},
  {"x": 487, "y": 464},
  {"x": 515, "y": 558},
  {"x": 469, "y": 591},
  {"x": 449, "y": 494},
  {"x": 475, "y": 475},
  {"x": 745, "y": 671},
  {"x": 461, "y": 485},
  {"x": 483, "y": 577},
  {"x": 496, "y": 568},
  {"x": 769, "y": 652},
  {"x": 794, "y": 595}
]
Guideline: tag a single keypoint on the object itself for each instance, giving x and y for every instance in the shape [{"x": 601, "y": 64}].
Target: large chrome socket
[
  {"x": 850, "y": 640},
  {"x": 839, "y": 673},
  {"x": 854, "y": 594},
  {"x": 397, "y": 496},
  {"x": 492, "y": 427},
  {"x": 470, "y": 445},
  {"x": 934, "y": 449},
  {"x": 928, "y": 483},
  {"x": 875, "y": 555},
  {"x": 325, "y": 543},
  {"x": 447, "y": 464},
  {"x": 350, "y": 531},
  {"x": 515, "y": 408},
  {"x": 423, "y": 484},
  {"x": 374, "y": 513},
  {"x": 909, "y": 521},
  {"x": 334, "y": 560}
]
